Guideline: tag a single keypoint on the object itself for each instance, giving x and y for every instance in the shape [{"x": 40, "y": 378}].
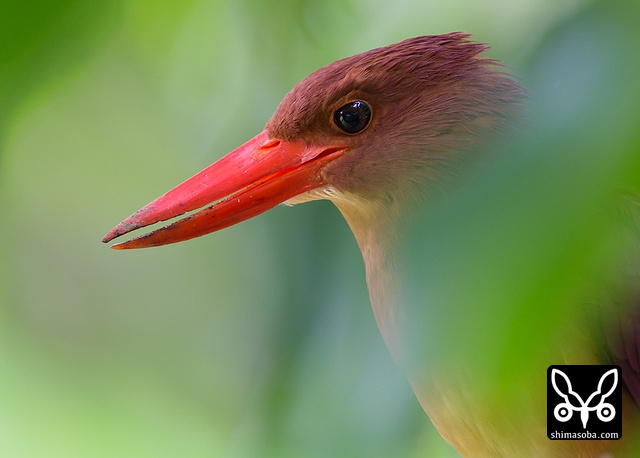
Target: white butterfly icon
[{"x": 564, "y": 411}]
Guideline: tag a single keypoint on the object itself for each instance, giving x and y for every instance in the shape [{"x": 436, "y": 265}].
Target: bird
[{"x": 373, "y": 133}]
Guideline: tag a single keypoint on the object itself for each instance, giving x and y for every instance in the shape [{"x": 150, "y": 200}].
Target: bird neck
[
  {"x": 376, "y": 226},
  {"x": 467, "y": 417}
]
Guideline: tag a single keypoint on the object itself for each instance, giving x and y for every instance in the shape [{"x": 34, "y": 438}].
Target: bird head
[{"x": 371, "y": 126}]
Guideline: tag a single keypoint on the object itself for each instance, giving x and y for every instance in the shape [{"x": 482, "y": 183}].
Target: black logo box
[{"x": 584, "y": 402}]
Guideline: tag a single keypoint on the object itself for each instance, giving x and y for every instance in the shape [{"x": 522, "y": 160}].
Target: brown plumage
[{"x": 428, "y": 103}]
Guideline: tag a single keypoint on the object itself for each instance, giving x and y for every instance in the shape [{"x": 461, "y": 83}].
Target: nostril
[{"x": 270, "y": 144}]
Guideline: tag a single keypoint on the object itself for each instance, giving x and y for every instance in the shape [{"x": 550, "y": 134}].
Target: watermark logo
[{"x": 584, "y": 402}]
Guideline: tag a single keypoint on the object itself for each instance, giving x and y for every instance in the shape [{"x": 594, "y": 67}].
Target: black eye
[{"x": 352, "y": 117}]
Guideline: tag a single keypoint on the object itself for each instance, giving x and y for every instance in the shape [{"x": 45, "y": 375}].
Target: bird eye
[{"x": 352, "y": 117}]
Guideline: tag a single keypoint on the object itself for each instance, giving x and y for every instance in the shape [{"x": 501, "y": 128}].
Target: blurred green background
[{"x": 259, "y": 341}]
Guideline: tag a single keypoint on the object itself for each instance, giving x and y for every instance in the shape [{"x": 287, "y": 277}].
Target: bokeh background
[{"x": 259, "y": 341}]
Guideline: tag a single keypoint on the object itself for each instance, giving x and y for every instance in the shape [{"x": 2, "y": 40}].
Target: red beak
[{"x": 250, "y": 180}]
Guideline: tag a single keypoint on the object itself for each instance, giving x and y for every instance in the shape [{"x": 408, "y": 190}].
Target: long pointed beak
[{"x": 250, "y": 180}]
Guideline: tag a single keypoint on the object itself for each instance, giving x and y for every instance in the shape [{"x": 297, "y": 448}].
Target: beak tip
[
  {"x": 109, "y": 237},
  {"x": 124, "y": 227}
]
